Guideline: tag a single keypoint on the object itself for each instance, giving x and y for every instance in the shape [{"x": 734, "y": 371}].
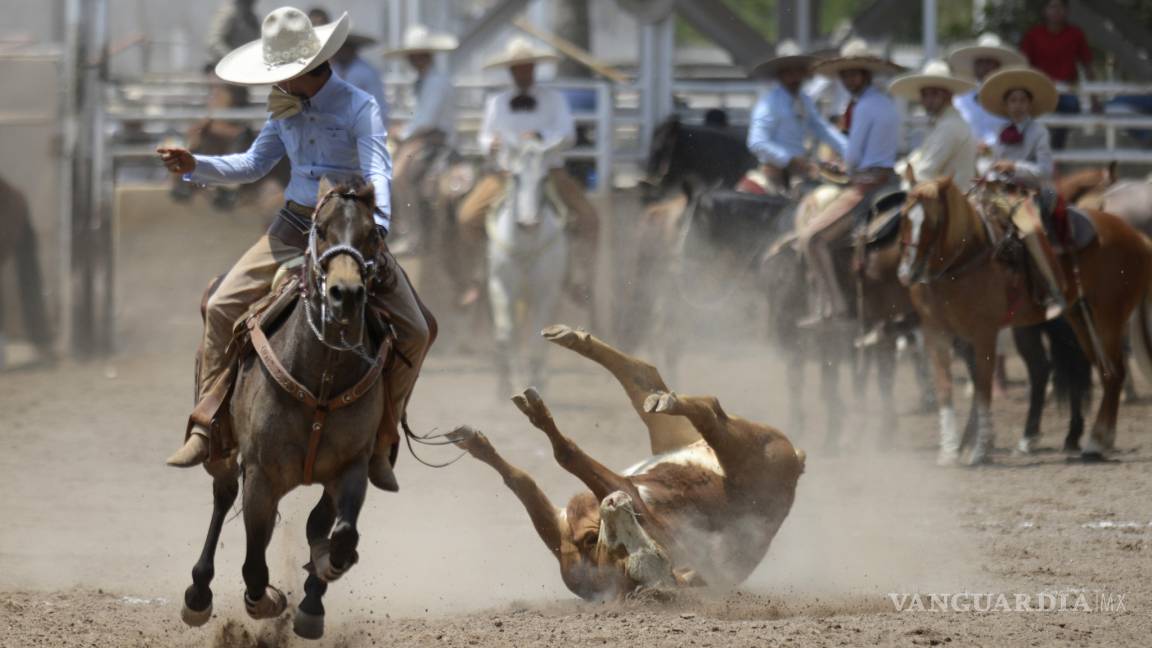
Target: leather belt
[{"x": 291, "y": 224}]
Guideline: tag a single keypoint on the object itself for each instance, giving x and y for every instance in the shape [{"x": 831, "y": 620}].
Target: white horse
[{"x": 527, "y": 258}]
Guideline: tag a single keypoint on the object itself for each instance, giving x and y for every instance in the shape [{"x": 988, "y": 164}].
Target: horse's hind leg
[
  {"x": 601, "y": 480},
  {"x": 197, "y": 608},
  {"x": 309, "y": 619},
  {"x": 261, "y": 600},
  {"x": 639, "y": 380},
  {"x": 1030, "y": 344}
]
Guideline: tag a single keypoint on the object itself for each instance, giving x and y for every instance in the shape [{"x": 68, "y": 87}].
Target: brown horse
[
  {"x": 278, "y": 432},
  {"x": 1099, "y": 189},
  {"x": 961, "y": 290}
]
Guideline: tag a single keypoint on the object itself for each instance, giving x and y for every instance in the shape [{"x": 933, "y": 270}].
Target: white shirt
[
  {"x": 985, "y": 126},
  {"x": 435, "y": 106},
  {"x": 551, "y": 118},
  {"x": 948, "y": 149}
]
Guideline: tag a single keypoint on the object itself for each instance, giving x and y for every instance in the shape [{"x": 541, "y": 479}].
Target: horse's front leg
[
  {"x": 197, "y": 608},
  {"x": 261, "y": 600},
  {"x": 332, "y": 556},
  {"x": 503, "y": 291},
  {"x": 1030, "y": 345},
  {"x": 938, "y": 344},
  {"x": 309, "y": 620},
  {"x": 546, "y": 287},
  {"x": 884, "y": 356},
  {"x": 984, "y": 366}
]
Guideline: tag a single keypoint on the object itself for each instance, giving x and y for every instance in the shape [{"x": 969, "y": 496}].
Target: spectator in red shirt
[{"x": 1055, "y": 47}]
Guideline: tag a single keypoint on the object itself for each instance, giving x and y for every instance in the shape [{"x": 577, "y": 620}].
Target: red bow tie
[{"x": 1011, "y": 135}]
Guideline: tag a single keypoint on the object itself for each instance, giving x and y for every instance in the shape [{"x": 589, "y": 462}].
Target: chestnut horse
[{"x": 960, "y": 290}]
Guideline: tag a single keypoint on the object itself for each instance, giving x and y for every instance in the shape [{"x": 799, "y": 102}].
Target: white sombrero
[
  {"x": 520, "y": 51},
  {"x": 988, "y": 46},
  {"x": 788, "y": 54},
  {"x": 289, "y": 46},
  {"x": 418, "y": 40},
  {"x": 935, "y": 74},
  {"x": 856, "y": 54},
  {"x": 996, "y": 86}
]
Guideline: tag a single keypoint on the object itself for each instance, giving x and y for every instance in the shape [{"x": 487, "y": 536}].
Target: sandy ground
[{"x": 99, "y": 537}]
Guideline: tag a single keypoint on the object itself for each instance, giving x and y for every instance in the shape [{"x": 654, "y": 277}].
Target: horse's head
[
  {"x": 528, "y": 164},
  {"x": 924, "y": 223},
  {"x": 341, "y": 255},
  {"x": 661, "y": 153}
]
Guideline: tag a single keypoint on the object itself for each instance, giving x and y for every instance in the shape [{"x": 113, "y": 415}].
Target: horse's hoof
[
  {"x": 1026, "y": 446},
  {"x": 195, "y": 618},
  {"x": 1071, "y": 448},
  {"x": 948, "y": 458},
  {"x": 1091, "y": 457},
  {"x": 270, "y": 606},
  {"x": 308, "y": 626}
]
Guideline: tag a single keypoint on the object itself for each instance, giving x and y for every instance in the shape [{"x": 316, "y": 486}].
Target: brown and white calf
[{"x": 701, "y": 510}]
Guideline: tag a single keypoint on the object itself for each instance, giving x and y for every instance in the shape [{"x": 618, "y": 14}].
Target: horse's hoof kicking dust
[{"x": 308, "y": 626}]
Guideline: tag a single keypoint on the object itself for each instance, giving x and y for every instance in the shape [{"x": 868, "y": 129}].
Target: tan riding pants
[
  {"x": 816, "y": 240},
  {"x": 251, "y": 278},
  {"x": 490, "y": 189}
]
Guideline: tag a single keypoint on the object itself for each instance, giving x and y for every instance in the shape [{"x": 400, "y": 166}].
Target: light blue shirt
[
  {"x": 874, "y": 135},
  {"x": 985, "y": 126},
  {"x": 338, "y": 132},
  {"x": 361, "y": 74},
  {"x": 781, "y": 124}
]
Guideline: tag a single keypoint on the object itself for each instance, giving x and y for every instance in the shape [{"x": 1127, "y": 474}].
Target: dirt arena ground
[{"x": 98, "y": 536}]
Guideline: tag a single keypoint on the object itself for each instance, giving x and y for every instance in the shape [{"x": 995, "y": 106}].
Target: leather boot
[
  {"x": 194, "y": 452},
  {"x": 380, "y": 470},
  {"x": 1054, "y": 304}
]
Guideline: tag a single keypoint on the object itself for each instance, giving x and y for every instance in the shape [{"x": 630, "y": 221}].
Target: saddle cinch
[{"x": 266, "y": 314}]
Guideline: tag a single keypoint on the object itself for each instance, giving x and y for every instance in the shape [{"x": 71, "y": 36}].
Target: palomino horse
[
  {"x": 960, "y": 290},
  {"x": 702, "y": 509},
  {"x": 312, "y": 375},
  {"x": 527, "y": 259}
]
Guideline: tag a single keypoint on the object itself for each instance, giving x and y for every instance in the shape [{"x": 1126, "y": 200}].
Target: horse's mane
[{"x": 355, "y": 187}]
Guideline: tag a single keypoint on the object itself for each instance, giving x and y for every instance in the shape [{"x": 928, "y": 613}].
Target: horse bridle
[{"x": 315, "y": 280}]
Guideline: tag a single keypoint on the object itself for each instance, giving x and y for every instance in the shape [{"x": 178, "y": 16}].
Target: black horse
[{"x": 710, "y": 155}]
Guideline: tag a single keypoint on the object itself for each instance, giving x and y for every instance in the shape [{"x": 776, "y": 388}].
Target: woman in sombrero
[{"x": 1023, "y": 154}]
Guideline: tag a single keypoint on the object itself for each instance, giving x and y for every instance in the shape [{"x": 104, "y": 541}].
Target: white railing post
[{"x": 605, "y": 138}]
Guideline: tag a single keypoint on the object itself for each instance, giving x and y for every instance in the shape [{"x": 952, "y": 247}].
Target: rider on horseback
[
  {"x": 785, "y": 120},
  {"x": 872, "y": 123},
  {"x": 324, "y": 126},
  {"x": 948, "y": 148},
  {"x": 530, "y": 112},
  {"x": 1024, "y": 160},
  {"x": 976, "y": 63}
]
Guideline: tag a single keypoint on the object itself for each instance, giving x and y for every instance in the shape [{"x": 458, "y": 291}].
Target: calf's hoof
[
  {"x": 195, "y": 618},
  {"x": 660, "y": 402},
  {"x": 270, "y": 606},
  {"x": 564, "y": 335},
  {"x": 308, "y": 626}
]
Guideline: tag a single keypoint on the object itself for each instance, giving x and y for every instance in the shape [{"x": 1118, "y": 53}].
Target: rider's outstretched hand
[{"x": 177, "y": 160}]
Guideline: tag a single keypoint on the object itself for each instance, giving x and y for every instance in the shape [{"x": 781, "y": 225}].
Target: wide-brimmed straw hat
[
  {"x": 996, "y": 86},
  {"x": 856, "y": 54},
  {"x": 788, "y": 55},
  {"x": 935, "y": 74},
  {"x": 519, "y": 51},
  {"x": 988, "y": 46},
  {"x": 288, "y": 46},
  {"x": 419, "y": 40}
]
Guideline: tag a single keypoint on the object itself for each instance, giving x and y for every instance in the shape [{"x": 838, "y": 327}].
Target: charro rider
[
  {"x": 976, "y": 63},
  {"x": 523, "y": 112},
  {"x": 1023, "y": 154},
  {"x": 433, "y": 124},
  {"x": 948, "y": 149},
  {"x": 872, "y": 123},
  {"x": 324, "y": 126},
  {"x": 785, "y": 120}
]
